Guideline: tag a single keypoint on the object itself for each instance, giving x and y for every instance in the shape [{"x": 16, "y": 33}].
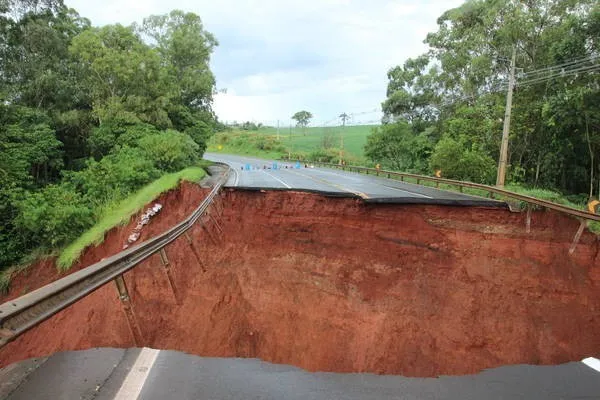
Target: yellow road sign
[{"x": 594, "y": 206}]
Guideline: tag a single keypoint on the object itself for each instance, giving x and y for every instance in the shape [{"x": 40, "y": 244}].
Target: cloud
[{"x": 276, "y": 57}]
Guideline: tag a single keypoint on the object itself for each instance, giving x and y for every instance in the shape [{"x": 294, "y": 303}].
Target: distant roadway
[{"x": 259, "y": 173}]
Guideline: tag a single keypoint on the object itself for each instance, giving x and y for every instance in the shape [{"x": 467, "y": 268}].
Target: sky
[{"x": 276, "y": 57}]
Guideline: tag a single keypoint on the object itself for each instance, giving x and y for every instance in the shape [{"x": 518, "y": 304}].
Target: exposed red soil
[{"x": 338, "y": 285}]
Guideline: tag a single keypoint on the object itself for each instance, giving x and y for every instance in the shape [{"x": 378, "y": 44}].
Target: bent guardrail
[
  {"x": 19, "y": 315},
  {"x": 491, "y": 190}
]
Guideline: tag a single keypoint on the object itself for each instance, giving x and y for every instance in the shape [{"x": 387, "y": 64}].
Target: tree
[
  {"x": 457, "y": 89},
  {"x": 302, "y": 119},
  {"x": 89, "y": 115},
  {"x": 458, "y": 161},
  {"x": 184, "y": 44},
  {"x": 396, "y": 146}
]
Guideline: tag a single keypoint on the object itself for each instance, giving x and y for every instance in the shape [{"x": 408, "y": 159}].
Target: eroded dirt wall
[{"x": 336, "y": 285}]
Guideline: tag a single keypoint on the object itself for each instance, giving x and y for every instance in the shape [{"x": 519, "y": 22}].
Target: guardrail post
[
  {"x": 208, "y": 232},
  {"x": 437, "y": 184},
  {"x": 528, "y": 219},
  {"x": 214, "y": 221},
  {"x": 218, "y": 206},
  {"x": 164, "y": 260},
  {"x": 134, "y": 327},
  {"x": 582, "y": 226},
  {"x": 195, "y": 252},
  {"x": 418, "y": 181},
  {"x": 460, "y": 189},
  {"x": 402, "y": 178}
]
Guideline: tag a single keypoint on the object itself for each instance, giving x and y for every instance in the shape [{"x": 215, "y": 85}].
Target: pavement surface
[
  {"x": 157, "y": 375},
  {"x": 253, "y": 173}
]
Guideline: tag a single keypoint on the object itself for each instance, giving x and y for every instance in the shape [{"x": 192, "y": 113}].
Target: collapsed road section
[{"x": 338, "y": 284}]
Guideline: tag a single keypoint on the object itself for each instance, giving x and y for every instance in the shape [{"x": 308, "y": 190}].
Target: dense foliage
[
  {"x": 445, "y": 109},
  {"x": 90, "y": 114}
]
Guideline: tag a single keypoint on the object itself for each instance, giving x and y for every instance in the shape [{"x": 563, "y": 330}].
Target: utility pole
[
  {"x": 278, "y": 130},
  {"x": 506, "y": 129},
  {"x": 344, "y": 117},
  {"x": 290, "y": 148}
]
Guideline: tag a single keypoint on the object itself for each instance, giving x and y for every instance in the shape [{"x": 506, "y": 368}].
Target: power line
[
  {"x": 580, "y": 70},
  {"x": 554, "y": 68}
]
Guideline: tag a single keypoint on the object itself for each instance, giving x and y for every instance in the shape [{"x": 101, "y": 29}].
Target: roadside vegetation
[
  {"x": 311, "y": 143},
  {"x": 94, "y": 122},
  {"x": 120, "y": 213},
  {"x": 445, "y": 109}
]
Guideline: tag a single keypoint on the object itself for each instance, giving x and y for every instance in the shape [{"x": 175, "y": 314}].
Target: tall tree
[{"x": 302, "y": 119}]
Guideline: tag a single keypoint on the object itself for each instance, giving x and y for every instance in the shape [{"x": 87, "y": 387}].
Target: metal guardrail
[
  {"x": 19, "y": 315},
  {"x": 460, "y": 184}
]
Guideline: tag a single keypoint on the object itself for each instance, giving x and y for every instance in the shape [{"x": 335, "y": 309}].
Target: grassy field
[
  {"x": 265, "y": 142},
  {"x": 120, "y": 213}
]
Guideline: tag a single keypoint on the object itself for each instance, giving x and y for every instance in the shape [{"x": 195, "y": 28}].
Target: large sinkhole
[{"x": 334, "y": 284}]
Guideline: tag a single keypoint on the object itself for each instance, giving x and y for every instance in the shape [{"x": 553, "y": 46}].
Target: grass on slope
[{"x": 121, "y": 212}]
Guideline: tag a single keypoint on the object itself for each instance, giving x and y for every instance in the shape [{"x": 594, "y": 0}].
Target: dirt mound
[{"x": 338, "y": 285}]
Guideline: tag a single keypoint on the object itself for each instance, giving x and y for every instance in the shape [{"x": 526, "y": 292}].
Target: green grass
[
  {"x": 294, "y": 140},
  {"x": 121, "y": 212}
]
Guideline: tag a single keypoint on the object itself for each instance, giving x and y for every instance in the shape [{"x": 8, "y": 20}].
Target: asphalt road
[
  {"x": 255, "y": 173},
  {"x": 149, "y": 374}
]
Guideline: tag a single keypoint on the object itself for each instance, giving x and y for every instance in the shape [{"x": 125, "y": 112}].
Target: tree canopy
[
  {"x": 455, "y": 95},
  {"x": 90, "y": 114}
]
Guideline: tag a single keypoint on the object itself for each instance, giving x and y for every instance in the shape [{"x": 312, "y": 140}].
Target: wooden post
[
  {"x": 164, "y": 260},
  {"x": 195, "y": 252},
  {"x": 528, "y": 219},
  {"x": 216, "y": 223},
  {"x": 134, "y": 327},
  {"x": 578, "y": 234}
]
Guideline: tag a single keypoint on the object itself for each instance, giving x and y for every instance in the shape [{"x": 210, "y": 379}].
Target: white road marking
[
  {"x": 335, "y": 185},
  {"x": 406, "y": 191},
  {"x": 237, "y": 177},
  {"x": 592, "y": 363},
  {"x": 135, "y": 379},
  {"x": 345, "y": 176},
  {"x": 277, "y": 179}
]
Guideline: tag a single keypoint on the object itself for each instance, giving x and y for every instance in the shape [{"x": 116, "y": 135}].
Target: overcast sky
[{"x": 276, "y": 57}]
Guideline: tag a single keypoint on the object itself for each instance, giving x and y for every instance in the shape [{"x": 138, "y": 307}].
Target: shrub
[
  {"x": 170, "y": 150},
  {"x": 456, "y": 161},
  {"x": 53, "y": 216}
]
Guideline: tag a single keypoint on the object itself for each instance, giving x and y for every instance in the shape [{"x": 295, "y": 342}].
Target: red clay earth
[{"x": 338, "y": 285}]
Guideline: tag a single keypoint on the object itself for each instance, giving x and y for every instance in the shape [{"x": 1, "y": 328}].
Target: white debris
[{"x": 144, "y": 220}]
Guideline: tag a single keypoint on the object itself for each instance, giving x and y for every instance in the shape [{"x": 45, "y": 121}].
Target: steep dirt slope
[{"x": 338, "y": 285}]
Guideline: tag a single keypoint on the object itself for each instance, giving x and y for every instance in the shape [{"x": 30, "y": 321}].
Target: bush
[
  {"x": 170, "y": 150},
  {"x": 458, "y": 162},
  {"x": 115, "y": 176},
  {"x": 53, "y": 216},
  {"x": 324, "y": 155}
]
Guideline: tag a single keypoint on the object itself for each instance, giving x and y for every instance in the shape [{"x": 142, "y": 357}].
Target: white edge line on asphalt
[
  {"x": 277, "y": 179},
  {"x": 406, "y": 191},
  {"x": 135, "y": 379},
  {"x": 346, "y": 175},
  {"x": 592, "y": 362},
  {"x": 236, "y": 180}
]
